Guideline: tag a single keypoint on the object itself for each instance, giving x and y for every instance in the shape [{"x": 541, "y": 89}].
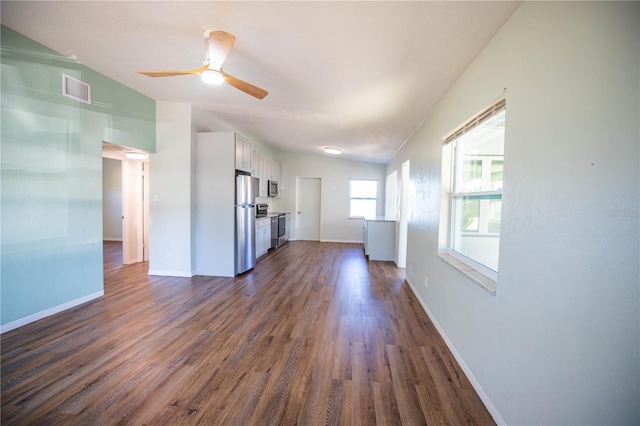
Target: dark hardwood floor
[{"x": 315, "y": 334}]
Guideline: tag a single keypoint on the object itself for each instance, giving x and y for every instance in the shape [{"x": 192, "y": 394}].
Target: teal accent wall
[{"x": 51, "y": 174}]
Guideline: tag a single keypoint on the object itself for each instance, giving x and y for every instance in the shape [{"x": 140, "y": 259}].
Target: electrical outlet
[{"x": 426, "y": 282}]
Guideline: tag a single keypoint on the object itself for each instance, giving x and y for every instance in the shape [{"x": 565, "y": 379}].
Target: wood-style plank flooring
[{"x": 314, "y": 335}]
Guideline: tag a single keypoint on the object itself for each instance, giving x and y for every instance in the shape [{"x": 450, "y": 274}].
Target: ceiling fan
[{"x": 220, "y": 44}]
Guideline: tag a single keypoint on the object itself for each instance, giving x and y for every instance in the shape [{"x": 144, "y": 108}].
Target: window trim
[
  {"x": 478, "y": 272},
  {"x": 476, "y": 276},
  {"x": 376, "y": 198}
]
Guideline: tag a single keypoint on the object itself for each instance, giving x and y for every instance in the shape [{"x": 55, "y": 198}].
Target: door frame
[
  {"x": 135, "y": 205},
  {"x": 404, "y": 215}
]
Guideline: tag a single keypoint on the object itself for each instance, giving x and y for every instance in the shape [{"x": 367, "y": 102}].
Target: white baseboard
[
  {"x": 342, "y": 241},
  {"x": 48, "y": 312},
  {"x": 467, "y": 371},
  {"x": 166, "y": 273}
]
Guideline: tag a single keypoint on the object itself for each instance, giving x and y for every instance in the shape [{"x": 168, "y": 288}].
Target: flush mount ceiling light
[
  {"x": 334, "y": 151},
  {"x": 212, "y": 76},
  {"x": 136, "y": 155}
]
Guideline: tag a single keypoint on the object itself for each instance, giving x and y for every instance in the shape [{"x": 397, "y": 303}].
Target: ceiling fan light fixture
[
  {"x": 212, "y": 77},
  {"x": 333, "y": 151}
]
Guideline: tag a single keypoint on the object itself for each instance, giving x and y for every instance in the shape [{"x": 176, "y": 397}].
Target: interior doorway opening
[{"x": 125, "y": 187}]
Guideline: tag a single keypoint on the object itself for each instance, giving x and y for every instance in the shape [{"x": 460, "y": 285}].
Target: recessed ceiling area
[
  {"x": 359, "y": 76},
  {"x": 119, "y": 152}
]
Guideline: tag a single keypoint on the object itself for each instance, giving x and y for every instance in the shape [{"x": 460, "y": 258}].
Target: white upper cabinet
[
  {"x": 276, "y": 171},
  {"x": 244, "y": 152},
  {"x": 263, "y": 177},
  {"x": 266, "y": 169},
  {"x": 255, "y": 164}
]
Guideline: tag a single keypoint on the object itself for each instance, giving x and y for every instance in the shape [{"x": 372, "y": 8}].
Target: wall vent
[{"x": 76, "y": 89}]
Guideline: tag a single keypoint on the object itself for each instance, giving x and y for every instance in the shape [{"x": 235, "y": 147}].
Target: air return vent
[{"x": 76, "y": 89}]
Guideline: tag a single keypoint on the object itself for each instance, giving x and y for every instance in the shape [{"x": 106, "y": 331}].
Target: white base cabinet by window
[
  {"x": 379, "y": 239},
  {"x": 263, "y": 235}
]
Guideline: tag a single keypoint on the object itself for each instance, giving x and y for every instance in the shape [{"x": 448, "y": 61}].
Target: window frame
[
  {"x": 350, "y": 198},
  {"x": 483, "y": 274}
]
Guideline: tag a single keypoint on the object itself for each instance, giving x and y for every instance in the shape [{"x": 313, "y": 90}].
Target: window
[
  {"x": 363, "y": 198},
  {"x": 476, "y": 150}
]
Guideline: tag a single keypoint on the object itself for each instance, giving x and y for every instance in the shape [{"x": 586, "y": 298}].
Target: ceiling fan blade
[
  {"x": 220, "y": 44},
  {"x": 247, "y": 88},
  {"x": 171, "y": 73}
]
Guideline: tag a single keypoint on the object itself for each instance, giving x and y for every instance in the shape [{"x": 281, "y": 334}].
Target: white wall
[
  {"x": 334, "y": 174},
  {"x": 559, "y": 342},
  {"x": 111, "y": 200},
  {"x": 170, "y": 188}
]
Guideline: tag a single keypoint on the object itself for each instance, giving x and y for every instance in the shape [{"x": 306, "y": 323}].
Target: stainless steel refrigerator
[{"x": 245, "y": 222}]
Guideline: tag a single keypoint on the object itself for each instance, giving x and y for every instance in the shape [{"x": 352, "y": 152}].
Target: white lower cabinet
[{"x": 263, "y": 235}]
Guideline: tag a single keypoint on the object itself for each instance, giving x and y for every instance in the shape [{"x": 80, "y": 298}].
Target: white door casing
[
  {"x": 145, "y": 213},
  {"x": 404, "y": 215},
  {"x": 135, "y": 206},
  {"x": 131, "y": 211}
]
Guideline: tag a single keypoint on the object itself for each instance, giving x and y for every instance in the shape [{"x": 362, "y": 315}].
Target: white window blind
[{"x": 476, "y": 120}]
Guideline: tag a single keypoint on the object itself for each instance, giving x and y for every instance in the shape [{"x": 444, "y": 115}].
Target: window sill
[{"x": 482, "y": 280}]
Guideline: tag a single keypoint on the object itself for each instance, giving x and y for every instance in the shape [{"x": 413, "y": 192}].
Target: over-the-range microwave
[{"x": 272, "y": 188}]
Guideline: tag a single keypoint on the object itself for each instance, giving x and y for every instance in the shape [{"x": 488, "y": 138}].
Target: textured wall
[
  {"x": 52, "y": 174},
  {"x": 558, "y": 343}
]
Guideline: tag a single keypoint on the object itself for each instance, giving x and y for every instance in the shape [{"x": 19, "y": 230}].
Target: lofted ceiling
[{"x": 360, "y": 76}]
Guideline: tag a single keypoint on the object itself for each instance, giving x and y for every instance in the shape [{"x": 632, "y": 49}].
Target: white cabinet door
[
  {"x": 239, "y": 153},
  {"x": 276, "y": 171},
  {"x": 247, "y": 152},
  {"x": 287, "y": 233},
  {"x": 263, "y": 177},
  {"x": 266, "y": 236},
  {"x": 244, "y": 151},
  {"x": 255, "y": 164},
  {"x": 267, "y": 169},
  {"x": 263, "y": 236}
]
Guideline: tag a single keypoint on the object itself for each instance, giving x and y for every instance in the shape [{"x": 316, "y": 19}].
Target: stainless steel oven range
[
  {"x": 282, "y": 229},
  {"x": 274, "y": 232}
]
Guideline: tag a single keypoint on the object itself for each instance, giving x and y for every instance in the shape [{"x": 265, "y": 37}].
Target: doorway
[
  {"x": 130, "y": 214},
  {"x": 308, "y": 209}
]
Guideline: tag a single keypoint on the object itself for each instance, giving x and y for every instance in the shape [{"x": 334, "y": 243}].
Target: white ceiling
[{"x": 360, "y": 75}]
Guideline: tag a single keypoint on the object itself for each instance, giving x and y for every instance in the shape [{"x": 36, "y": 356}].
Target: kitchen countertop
[{"x": 272, "y": 214}]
